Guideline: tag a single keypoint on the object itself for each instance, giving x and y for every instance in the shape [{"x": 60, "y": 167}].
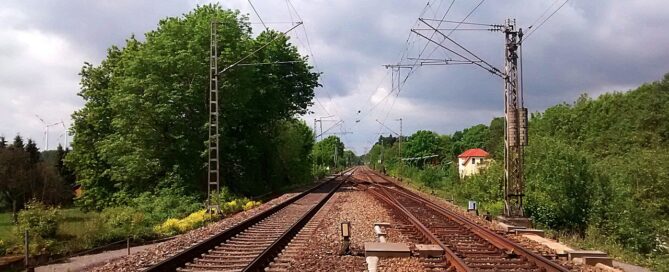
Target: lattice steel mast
[
  {"x": 515, "y": 135},
  {"x": 213, "y": 182}
]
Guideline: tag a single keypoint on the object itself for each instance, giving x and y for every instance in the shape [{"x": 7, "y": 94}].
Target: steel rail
[
  {"x": 264, "y": 259},
  {"x": 453, "y": 259},
  {"x": 180, "y": 259},
  {"x": 488, "y": 235}
]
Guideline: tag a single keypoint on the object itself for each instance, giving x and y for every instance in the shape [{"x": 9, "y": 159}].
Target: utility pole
[
  {"x": 213, "y": 183},
  {"x": 335, "y": 156},
  {"x": 399, "y": 175},
  {"x": 320, "y": 120},
  {"x": 213, "y": 164},
  {"x": 515, "y": 135}
]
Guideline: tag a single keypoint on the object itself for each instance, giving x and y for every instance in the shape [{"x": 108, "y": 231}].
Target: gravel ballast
[{"x": 144, "y": 259}]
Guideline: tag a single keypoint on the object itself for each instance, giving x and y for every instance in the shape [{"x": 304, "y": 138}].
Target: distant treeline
[{"x": 27, "y": 174}]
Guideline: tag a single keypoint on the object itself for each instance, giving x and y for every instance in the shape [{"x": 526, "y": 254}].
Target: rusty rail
[
  {"x": 482, "y": 232},
  {"x": 179, "y": 260}
]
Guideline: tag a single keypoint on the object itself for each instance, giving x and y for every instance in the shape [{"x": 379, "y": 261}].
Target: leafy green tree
[
  {"x": 495, "y": 142},
  {"x": 422, "y": 143},
  {"x": 143, "y": 126},
  {"x": 559, "y": 185},
  {"x": 324, "y": 151},
  {"x": 17, "y": 176}
]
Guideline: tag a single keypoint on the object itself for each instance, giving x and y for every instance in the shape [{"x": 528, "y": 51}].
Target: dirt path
[{"x": 81, "y": 262}]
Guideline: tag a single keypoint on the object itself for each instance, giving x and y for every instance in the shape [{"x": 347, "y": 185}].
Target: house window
[{"x": 473, "y": 160}]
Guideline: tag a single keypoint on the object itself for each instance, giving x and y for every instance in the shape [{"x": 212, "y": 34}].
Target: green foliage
[
  {"x": 174, "y": 226},
  {"x": 597, "y": 171},
  {"x": 41, "y": 222},
  {"x": 324, "y": 152},
  {"x": 430, "y": 176},
  {"x": 559, "y": 185},
  {"x": 143, "y": 125},
  {"x": 422, "y": 143},
  {"x": 319, "y": 171}
]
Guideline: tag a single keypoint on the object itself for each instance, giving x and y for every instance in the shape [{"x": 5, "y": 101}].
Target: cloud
[{"x": 588, "y": 46}]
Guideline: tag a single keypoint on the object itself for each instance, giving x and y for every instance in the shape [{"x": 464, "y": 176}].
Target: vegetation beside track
[
  {"x": 139, "y": 141},
  {"x": 597, "y": 170}
]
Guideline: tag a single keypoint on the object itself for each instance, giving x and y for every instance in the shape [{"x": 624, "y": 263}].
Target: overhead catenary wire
[
  {"x": 257, "y": 14},
  {"x": 401, "y": 83},
  {"x": 543, "y": 13},
  {"x": 291, "y": 10},
  {"x": 491, "y": 68},
  {"x": 258, "y": 49},
  {"x": 460, "y": 22},
  {"x": 543, "y": 22}
]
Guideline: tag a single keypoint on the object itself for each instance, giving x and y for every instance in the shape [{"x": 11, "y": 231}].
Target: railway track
[
  {"x": 467, "y": 246},
  {"x": 252, "y": 244}
]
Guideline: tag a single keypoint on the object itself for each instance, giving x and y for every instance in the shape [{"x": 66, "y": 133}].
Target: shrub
[
  {"x": 319, "y": 171},
  {"x": 122, "y": 222},
  {"x": 232, "y": 206},
  {"x": 174, "y": 226},
  {"x": 430, "y": 176},
  {"x": 41, "y": 222},
  {"x": 251, "y": 204},
  {"x": 3, "y": 248},
  {"x": 166, "y": 203}
]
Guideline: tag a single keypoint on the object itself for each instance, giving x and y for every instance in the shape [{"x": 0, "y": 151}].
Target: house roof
[{"x": 474, "y": 152}]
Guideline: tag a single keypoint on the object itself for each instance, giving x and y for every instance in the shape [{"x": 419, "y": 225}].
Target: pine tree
[
  {"x": 32, "y": 149},
  {"x": 18, "y": 142}
]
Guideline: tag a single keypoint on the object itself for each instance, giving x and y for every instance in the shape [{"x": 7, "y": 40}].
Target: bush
[
  {"x": 3, "y": 248},
  {"x": 430, "y": 176},
  {"x": 174, "y": 226},
  {"x": 320, "y": 171},
  {"x": 166, "y": 203},
  {"x": 41, "y": 222}
]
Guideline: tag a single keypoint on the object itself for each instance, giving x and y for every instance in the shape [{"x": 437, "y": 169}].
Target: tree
[
  {"x": 324, "y": 152},
  {"x": 17, "y": 176},
  {"x": 422, "y": 143},
  {"x": 63, "y": 171},
  {"x": 33, "y": 151},
  {"x": 18, "y": 142},
  {"x": 144, "y": 124},
  {"x": 3, "y": 142}
]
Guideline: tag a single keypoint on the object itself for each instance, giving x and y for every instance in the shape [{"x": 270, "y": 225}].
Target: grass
[
  {"x": 74, "y": 229},
  {"x": 6, "y": 226}
]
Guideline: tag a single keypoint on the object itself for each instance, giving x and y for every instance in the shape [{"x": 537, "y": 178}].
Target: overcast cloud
[{"x": 588, "y": 46}]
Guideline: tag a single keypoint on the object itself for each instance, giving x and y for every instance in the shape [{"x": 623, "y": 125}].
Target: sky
[{"x": 587, "y": 46}]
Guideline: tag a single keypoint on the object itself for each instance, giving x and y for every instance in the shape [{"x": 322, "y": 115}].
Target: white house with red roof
[{"x": 472, "y": 161}]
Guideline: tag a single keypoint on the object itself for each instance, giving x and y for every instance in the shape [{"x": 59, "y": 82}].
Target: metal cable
[{"x": 544, "y": 21}]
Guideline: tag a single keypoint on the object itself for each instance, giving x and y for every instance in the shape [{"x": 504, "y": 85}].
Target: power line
[
  {"x": 290, "y": 6},
  {"x": 258, "y": 49},
  {"x": 544, "y": 21},
  {"x": 544, "y": 13},
  {"x": 258, "y": 14},
  {"x": 461, "y": 22},
  {"x": 491, "y": 69}
]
